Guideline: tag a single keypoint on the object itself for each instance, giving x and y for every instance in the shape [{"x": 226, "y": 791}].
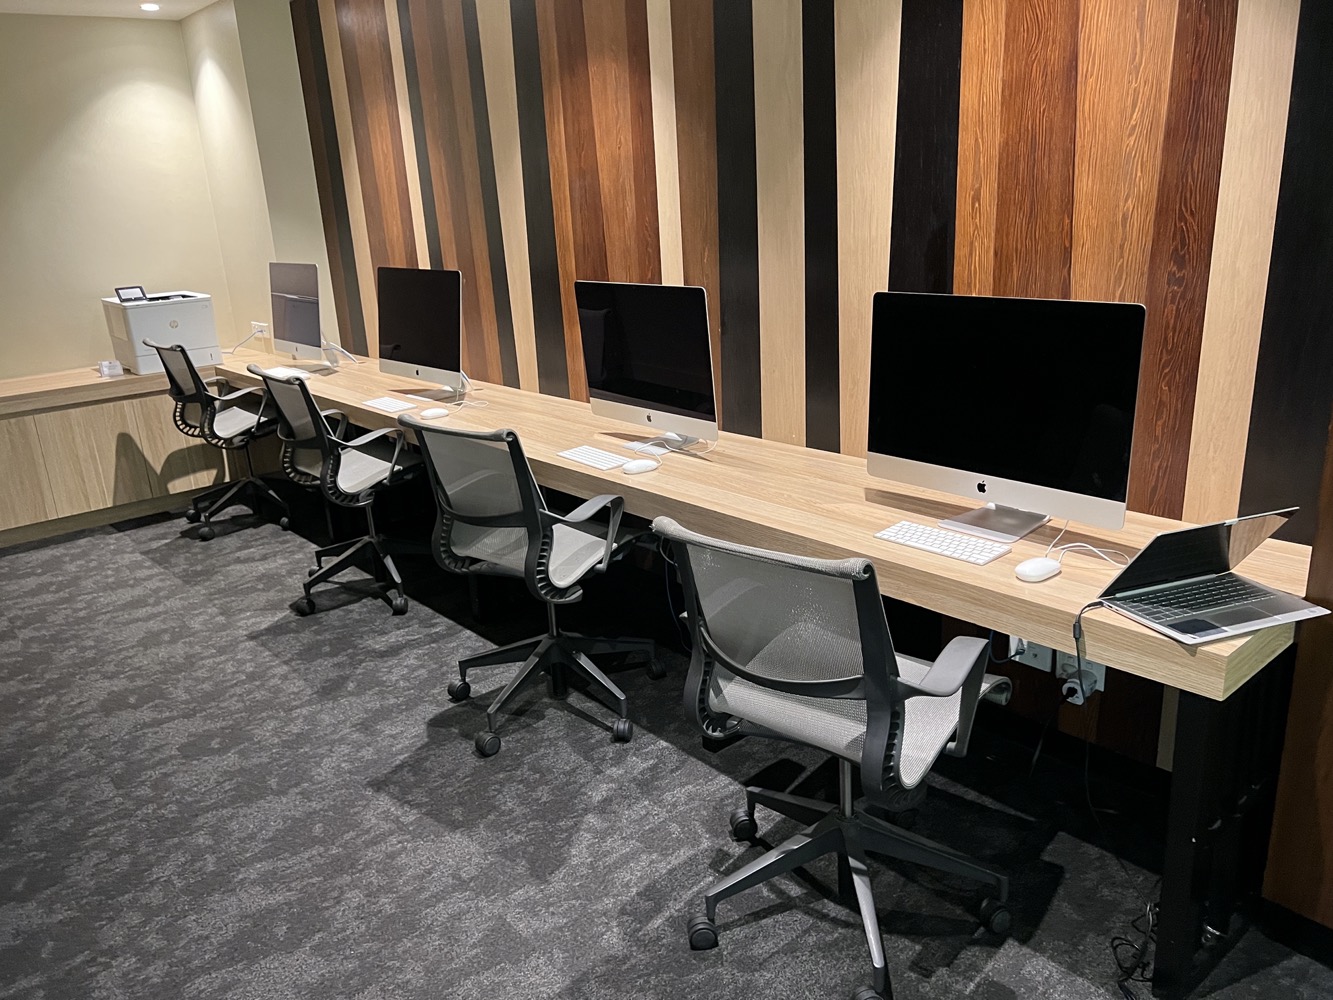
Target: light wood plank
[
  {"x": 92, "y": 455},
  {"x": 1124, "y": 75},
  {"x": 356, "y": 205},
  {"x": 867, "y": 39},
  {"x": 1242, "y": 246},
  {"x": 979, "y": 120},
  {"x": 497, "y": 60},
  {"x": 27, "y": 493},
  {"x": 414, "y": 196},
  {"x": 666, "y": 154},
  {"x": 803, "y": 500},
  {"x": 780, "y": 166}
]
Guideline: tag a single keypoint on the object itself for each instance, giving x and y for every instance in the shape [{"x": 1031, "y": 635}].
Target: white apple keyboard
[
  {"x": 281, "y": 372},
  {"x": 953, "y": 544},
  {"x": 595, "y": 457},
  {"x": 388, "y": 404}
]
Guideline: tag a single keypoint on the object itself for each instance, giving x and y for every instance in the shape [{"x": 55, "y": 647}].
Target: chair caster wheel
[
  {"x": 459, "y": 690},
  {"x": 743, "y": 826},
  {"x": 193, "y": 516},
  {"x": 304, "y": 606},
  {"x": 995, "y": 916},
  {"x": 703, "y": 934},
  {"x": 312, "y": 571},
  {"x": 623, "y": 731},
  {"x": 399, "y": 605},
  {"x": 285, "y": 523},
  {"x": 656, "y": 670},
  {"x": 867, "y": 993},
  {"x": 206, "y": 533},
  {"x": 487, "y": 744}
]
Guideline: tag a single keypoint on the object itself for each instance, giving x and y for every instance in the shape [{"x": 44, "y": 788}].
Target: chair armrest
[
  {"x": 369, "y": 436},
  {"x": 959, "y": 660},
  {"x": 233, "y": 396},
  {"x": 398, "y": 439},
  {"x": 586, "y": 510}
]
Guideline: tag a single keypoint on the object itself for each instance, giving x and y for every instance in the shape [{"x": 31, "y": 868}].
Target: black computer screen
[
  {"x": 294, "y": 290},
  {"x": 420, "y": 317},
  {"x": 647, "y": 345},
  {"x": 1040, "y": 391}
]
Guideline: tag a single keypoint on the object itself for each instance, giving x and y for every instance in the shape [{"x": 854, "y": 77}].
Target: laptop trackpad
[{"x": 1237, "y": 616}]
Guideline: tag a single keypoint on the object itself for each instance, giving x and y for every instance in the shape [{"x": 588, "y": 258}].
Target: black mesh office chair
[
  {"x": 350, "y": 473},
  {"x": 798, "y": 649},
  {"x": 493, "y": 520},
  {"x": 229, "y": 421}
]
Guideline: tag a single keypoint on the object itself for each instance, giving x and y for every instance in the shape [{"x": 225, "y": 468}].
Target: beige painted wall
[
  {"x": 231, "y": 159},
  {"x": 102, "y": 182}
]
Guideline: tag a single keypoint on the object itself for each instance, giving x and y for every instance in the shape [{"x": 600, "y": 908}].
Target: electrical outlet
[
  {"x": 1034, "y": 655},
  {"x": 1076, "y": 690},
  {"x": 258, "y": 329}
]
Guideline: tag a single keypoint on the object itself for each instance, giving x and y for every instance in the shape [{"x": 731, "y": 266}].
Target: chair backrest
[
  {"x": 184, "y": 382},
  {"x": 302, "y": 425},
  {"x": 792, "y": 624},
  {"x": 490, "y": 508}
]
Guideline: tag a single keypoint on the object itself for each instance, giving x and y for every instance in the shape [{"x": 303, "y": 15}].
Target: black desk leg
[{"x": 1222, "y": 788}]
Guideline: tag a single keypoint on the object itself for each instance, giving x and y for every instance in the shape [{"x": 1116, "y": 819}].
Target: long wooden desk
[
  {"x": 818, "y": 503},
  {"x": 801, "y": 500}
]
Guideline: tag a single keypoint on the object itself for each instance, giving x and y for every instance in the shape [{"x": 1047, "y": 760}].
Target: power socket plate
[
  {"x": 1031, "y": 653},
  {"x": 1066, "y": 665}
]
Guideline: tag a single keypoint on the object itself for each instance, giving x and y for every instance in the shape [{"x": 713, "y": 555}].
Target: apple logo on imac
[{"x": 981, "y": 486}]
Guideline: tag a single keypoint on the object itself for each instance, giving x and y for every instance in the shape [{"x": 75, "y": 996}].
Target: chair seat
[
  {"x": 575, "y": 549},
  {"x": 236, "y": 420},
  {"x": 838, "y": 725}
]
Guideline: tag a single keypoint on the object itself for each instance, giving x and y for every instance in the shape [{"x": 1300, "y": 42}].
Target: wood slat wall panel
[
  {"x": 403, "y": 93},
  {"x": 1178, "y": 263},
  {"x": 780, "y": 216},
  {"x": 1242, "y": 247},
  {"x": 696, "y": 139},
  {"x": 666, "y": 148},
  {"x": 1124, "y": 68},
  {"x": 1035, "y": 183},
  {"x": 980, "y": 117}
]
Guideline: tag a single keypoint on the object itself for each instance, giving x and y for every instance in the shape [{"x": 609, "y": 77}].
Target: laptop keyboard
[{"x": 1206, "y": 595}]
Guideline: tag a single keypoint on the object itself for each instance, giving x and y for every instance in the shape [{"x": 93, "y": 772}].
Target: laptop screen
[{"x": 1195, "y": 552}]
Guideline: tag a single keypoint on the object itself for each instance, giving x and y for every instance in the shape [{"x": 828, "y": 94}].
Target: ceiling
[{"x": 172, "y": 10}]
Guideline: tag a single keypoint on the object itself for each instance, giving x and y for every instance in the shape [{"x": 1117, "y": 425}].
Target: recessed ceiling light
[{"x": 150, "y": 7}]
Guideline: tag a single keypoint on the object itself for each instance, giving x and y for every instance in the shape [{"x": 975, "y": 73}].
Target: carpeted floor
[{"x": 204, "y": 795}]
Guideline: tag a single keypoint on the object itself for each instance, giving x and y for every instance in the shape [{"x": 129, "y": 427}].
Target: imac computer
[
  {"x": 294, "y": 289},
  {"x": 420, "y": 313},
  {"x": 1026, "y": 405},
  {"x": 649, "y": 358}
]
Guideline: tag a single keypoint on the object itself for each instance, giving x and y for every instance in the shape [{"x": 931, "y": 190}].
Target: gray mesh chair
[
  {"x": 350, "y": 473},
  {"x": 798, "y": 649},
  {"x": 227, "y": 420},
  {"x": 492, "y": 520}
]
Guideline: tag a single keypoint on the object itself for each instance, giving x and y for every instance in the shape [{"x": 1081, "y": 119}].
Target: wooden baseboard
[{"x": 96, "y": 518}]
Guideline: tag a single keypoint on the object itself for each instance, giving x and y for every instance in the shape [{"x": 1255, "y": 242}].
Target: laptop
[{"x": 1181, "y": 584}]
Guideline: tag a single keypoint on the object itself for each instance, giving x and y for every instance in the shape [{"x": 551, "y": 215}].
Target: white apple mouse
[
  {"x": 433, "y": 412},
  {"x": 1036, "y": 570},
  {"x": 639, "y": 465}
]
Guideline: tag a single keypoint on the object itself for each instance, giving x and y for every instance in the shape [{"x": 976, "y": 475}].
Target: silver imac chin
[
  {"x": 1010, "y": 508},
  {"x": 672, "y": 427},
  {"x": 451, "y": 383}
]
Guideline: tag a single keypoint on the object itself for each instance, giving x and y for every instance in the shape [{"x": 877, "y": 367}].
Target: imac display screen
[
  {"x": 420, "y": 317},
  {"x": 647, "y": 345},
  {"x": 295, "y": 292},
  {"x": 1040, "y": 391}
]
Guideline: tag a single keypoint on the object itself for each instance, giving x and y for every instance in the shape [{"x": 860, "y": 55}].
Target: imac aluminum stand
[{"x": 1000, "y": 524}]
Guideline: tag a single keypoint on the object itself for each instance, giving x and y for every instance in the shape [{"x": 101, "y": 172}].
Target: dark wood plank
[
  {"x": 737, "y": 215},
  {"x": 1035, "y": 183},
  {"x": 580, "y": 143},
  {"x": 314, "y": 70},
  {"x": 1293, "y": 376},
  {"x": 646, "y": 233},
  {"x": 823, "y": 373},
  {"x": 504, "y": 319},
  {"x": 1181, "y": 254},
  {"x": 433, "y": 79},
  {"x": 422, "y": 150},
  {"x": 925, "y": 178},
  {"x": 363, "y": 28},
  {"x": 548, "y": 319},
  {"x": 696, "y": 149}
]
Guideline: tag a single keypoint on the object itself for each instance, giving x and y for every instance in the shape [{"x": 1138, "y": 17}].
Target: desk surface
[
  {"x": 74, "y": 387},
  {"x": 819, "y": 503}
]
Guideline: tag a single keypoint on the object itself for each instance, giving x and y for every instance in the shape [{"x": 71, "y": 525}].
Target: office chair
[
  {"x": 493, "y": 520},
  {"x": 350, "y": 473},
  {"x": 229, "y": 422},
  {"x": 798, "y": 649}
]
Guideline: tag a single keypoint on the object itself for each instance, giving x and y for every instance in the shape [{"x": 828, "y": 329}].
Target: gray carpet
[{"x": 204, "y": 795}]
